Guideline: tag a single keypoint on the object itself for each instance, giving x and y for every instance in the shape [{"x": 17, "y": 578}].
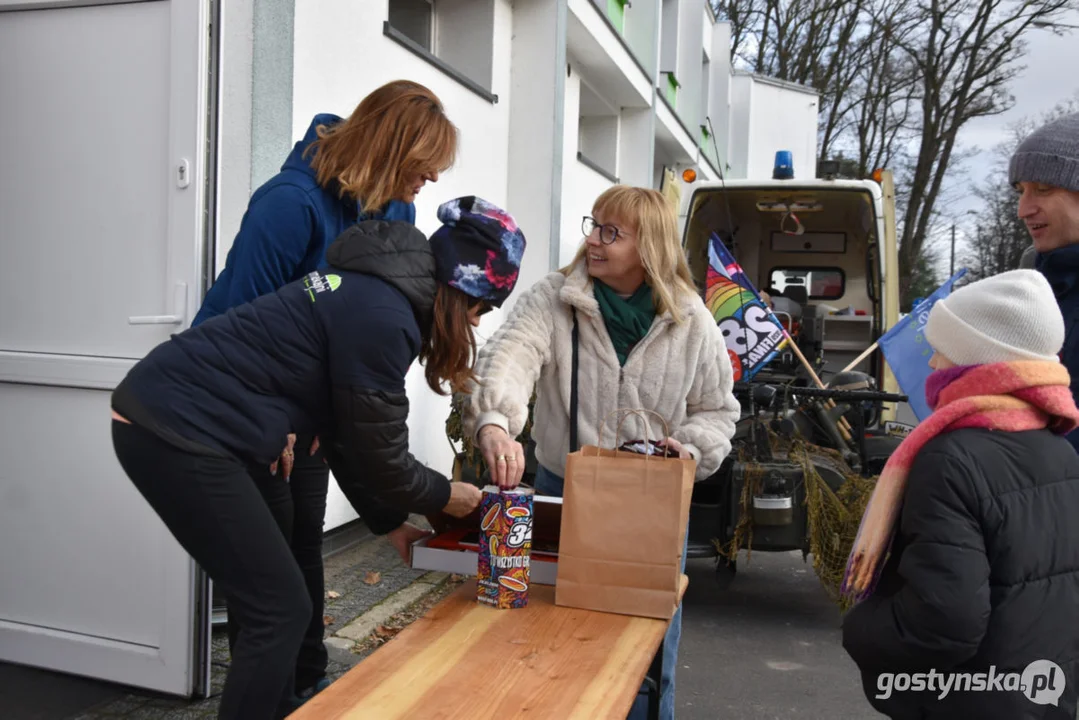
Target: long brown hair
[
  {"x": 449, "y": 349},
  {"x": 658, "y": 243},
  {"x": 395, "y": 134}
]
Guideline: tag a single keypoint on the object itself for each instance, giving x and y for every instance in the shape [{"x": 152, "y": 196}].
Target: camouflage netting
[{"x": 833, "y": 516}]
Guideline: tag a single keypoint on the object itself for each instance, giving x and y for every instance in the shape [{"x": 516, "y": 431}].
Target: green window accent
[
  {"x": 616, "y": 11},
  {"x": 671, "y": 88}
]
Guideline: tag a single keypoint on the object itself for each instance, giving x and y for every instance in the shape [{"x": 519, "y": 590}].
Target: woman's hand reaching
[
  {"x": 464, "y": 499},
  {"x": 403, "y": 537},
  {"x": 673, "y": 444},
  {"x": 505, "y": 457}
]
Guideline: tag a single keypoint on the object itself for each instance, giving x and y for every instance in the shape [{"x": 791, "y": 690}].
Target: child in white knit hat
[{"x": 977, "y": 508}]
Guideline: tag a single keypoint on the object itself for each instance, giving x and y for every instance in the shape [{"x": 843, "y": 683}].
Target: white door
[{"x": 103, "y": 171}]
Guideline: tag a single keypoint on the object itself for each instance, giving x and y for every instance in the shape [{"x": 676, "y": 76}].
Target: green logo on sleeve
[{"x": 316, "y": 283}]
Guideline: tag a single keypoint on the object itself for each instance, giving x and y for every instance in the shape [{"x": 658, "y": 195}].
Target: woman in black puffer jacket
[
  {"x": 975, "y": 612},
  {"x": 325, "y": 355}
]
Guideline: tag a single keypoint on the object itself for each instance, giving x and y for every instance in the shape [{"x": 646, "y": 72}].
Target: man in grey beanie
[{"x": 1045, "y": 171}]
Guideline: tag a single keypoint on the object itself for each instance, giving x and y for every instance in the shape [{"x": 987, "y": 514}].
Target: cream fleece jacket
[{"x": 681, "y": 371}]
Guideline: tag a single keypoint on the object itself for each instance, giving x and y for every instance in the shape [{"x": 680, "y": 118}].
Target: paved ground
[
  {"x": 30, "y": 694},
  {"x": 766, "y": 647}
]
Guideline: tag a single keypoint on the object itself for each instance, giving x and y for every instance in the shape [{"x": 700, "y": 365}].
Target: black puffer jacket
[
  {"x": 983, "y": 578},
  {"x": 327, "y": 355}
]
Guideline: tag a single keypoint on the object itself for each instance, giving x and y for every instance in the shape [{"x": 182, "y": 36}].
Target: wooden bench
[{"x": 468, "y": 661}]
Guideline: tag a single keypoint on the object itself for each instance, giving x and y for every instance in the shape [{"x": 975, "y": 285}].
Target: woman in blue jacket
[
  {"x": 370, "y": 166},
  {"x": 326, "y": 355}
]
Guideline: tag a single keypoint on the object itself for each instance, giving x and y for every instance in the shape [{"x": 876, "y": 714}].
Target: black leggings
[
  {"x": 299, "y": 506},
  {"x": 213, "y": 508}
]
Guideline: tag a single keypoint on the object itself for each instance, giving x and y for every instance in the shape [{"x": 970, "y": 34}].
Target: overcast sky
[{"x": 1050, "y": 77}]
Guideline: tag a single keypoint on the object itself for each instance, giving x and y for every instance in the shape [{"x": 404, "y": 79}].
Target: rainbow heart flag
[{"x": 752, "y": 332}]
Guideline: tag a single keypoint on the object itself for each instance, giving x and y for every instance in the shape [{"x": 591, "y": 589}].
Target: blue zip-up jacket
[
  {"x": 1061, "y": 268},
  {"x": 325, "y": 355},
  {"x": 289, "y": 223}
]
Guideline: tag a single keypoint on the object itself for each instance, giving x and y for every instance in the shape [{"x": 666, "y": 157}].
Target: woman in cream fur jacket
[{"x": 646, "y": 340}]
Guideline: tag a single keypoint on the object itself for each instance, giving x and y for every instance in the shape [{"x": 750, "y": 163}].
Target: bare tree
[
  {"x": 817, "y": 43},
  {"x": 965, "y": 55},
  {"x": 883, "y": 104},
  {"x": 929, "y": 273},
  {"x": 898, "y": 79}
]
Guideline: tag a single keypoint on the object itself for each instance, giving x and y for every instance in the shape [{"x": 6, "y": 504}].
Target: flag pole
[
  {"x": 868, "y": 351},
  {"x": 844, "y": 426}
]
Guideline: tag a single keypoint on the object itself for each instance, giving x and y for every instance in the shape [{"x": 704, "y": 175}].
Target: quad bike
[{"x": 792, "y": 445}]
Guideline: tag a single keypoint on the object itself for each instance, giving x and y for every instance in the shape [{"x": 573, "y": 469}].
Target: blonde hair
[
  {"x": 397, "y": 132},
  {"x": 665, "y": 267}
]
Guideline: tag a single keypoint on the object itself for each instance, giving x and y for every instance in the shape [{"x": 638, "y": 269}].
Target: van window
[{"x": 819, "y": 283}]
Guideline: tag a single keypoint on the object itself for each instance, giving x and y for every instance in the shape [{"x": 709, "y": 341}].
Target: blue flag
[{"x": 907, "y": 351}]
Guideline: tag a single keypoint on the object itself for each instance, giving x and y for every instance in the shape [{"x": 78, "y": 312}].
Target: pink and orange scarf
[{"x": 1009, "y": 396}]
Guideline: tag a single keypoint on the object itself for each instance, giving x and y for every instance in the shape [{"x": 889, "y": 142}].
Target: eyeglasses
[
  {"x": 482, "y": 308},
  {"x": 607, "y": 233}
]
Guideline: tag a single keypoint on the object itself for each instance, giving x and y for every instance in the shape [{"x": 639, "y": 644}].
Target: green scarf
[{"x": 627, "y": 320}]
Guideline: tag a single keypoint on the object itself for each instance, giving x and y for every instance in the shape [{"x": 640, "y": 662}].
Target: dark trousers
[
  {"x": 299, "y": 507},
  {"x": 214, "y": 510}
]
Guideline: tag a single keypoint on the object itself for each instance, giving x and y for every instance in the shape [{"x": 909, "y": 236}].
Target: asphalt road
[{"x": 768, "y": 647}]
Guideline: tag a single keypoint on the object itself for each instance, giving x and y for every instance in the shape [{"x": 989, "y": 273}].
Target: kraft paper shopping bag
[{"x": 624, "y": 522}]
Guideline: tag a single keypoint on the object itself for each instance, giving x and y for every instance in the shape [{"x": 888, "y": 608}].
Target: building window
[
  {"x": 597, "y": 133},
  {"x": 814, "y": 283},
  {"x": 456, "y": 36},
  {"x": 415, "y": 19}
]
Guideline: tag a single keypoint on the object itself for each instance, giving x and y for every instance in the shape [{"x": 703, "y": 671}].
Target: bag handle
[
  {"x": 573, "y": 390},
  {"x": 626, "y": 413}
]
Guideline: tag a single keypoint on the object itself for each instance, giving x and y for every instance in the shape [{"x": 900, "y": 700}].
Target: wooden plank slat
[{"x": 465, "y": 661}]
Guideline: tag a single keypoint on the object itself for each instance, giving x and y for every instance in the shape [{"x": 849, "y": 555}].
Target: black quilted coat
[
  {"x": 983, "y": 580},
  {"x": 325, "y": 355}
]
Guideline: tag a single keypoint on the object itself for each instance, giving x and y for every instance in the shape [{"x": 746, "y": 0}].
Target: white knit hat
[{"x": 1006, "y": 317}]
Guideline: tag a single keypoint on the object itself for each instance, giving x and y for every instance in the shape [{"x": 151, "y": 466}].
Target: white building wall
[
  {"x": 719, "y": 100},
  {"x": 519, "y": 152},
  {"x": 581, "y": 184},
  {"x": 740, "y": 125},
  {"x": 341, "y": 55},
  {"x": 640, "y": 33},
  {"x": 669, "y": 38},
  {"x": 234, "y": 145},
  {"x": 636, "y": 150},
  {"x": 766, "y": 116},
  {"x": 585, "y": 186},
  {"x": 708, "y": 24},
  {"x": 570, "y": 148},
  {"x": 536, "y": 132},
  {"x": 690, "y": 37},
  {"x": 465, "y": 19},
  {"x": 600, "y": 138}
]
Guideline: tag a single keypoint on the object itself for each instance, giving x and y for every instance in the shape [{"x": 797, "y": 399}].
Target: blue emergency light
[{"x": 784, "y": 167}]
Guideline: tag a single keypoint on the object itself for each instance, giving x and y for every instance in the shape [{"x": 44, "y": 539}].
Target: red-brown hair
[
  {"x": 397, "y": 133},
  {"x": 449, "y": 350}
]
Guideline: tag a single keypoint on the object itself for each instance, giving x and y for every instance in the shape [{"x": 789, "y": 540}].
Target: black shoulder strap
[{"x": 573, "y": 391}]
